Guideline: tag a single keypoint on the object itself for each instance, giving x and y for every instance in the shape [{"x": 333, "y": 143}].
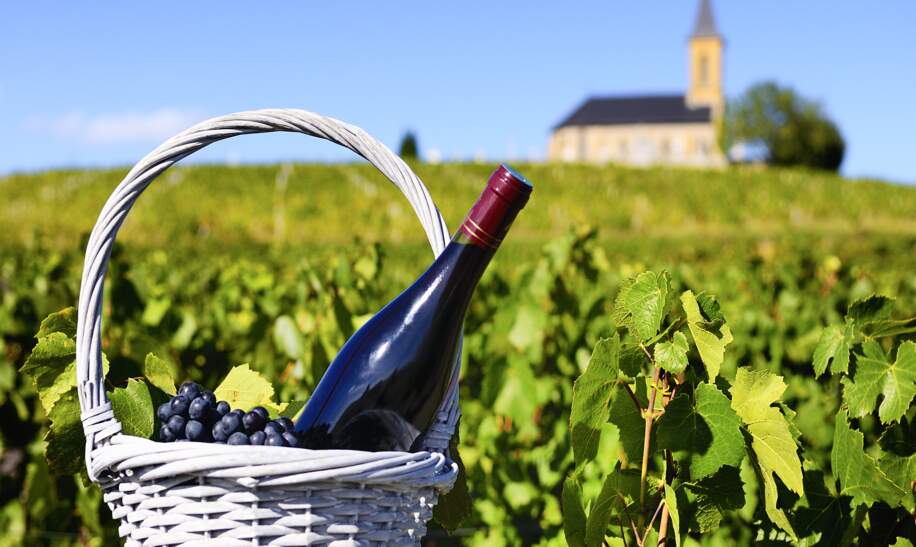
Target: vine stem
[
  {"x": 663, "y": 527},
  {"x": 650, "y": 418}
]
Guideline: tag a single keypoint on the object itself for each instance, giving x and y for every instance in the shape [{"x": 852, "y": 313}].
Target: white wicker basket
[{"x": 212, "y": 494}]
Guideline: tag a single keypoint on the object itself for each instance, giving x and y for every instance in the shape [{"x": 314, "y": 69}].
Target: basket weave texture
[{"x": 188, "y": 493}]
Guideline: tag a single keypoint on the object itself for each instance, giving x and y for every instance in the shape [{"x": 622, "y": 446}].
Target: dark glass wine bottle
[{"x": 384, "y": 387}]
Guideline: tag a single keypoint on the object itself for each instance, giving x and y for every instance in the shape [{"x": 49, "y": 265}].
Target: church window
[{"x": 704, "y": 70}]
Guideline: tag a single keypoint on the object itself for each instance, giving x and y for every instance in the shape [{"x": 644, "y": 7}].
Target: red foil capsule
[{"x": 491, "y": 216}]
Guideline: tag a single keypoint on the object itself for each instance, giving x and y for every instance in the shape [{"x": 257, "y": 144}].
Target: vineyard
[{"x": 607, "y": 280}]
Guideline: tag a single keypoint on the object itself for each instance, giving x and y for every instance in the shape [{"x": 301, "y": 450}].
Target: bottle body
[{"x": 385, "y": 386}]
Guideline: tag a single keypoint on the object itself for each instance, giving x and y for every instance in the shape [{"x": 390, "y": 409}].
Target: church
[{"x": 653, "y": 129}]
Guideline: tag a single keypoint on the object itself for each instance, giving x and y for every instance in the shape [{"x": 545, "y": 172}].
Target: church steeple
[
  {"x": 705, "y": 25},
  {"x": 705, "y": 68}
]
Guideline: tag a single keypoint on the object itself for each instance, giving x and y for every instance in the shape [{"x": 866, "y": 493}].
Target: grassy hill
[{"x": 647, "y": 214}]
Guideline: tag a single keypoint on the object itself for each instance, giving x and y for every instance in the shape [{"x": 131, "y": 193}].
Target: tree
[
  {"x": 793, "y": 130},
  {"x": 409, "y": 149}
]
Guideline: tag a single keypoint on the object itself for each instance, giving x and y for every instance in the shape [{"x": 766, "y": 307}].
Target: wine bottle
[{"x": 384, "y": 387}]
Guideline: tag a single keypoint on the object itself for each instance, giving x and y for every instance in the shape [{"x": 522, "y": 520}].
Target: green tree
[
  {"x": 409, "y": 150},
  {"x": 793, "y": 130}
]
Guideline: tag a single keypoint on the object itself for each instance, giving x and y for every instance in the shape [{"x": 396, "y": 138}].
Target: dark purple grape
[
  {"x": 238, "y": 438},
  {"x": 198, "y": 409},
  {"x": 237, "y": 412},
  {"x": 164, "y": 412},
  {"x": 190, "y": 390},
  {"x": 273, "y": 427},
  {"x": 286, "y": 423},
  {"x": 253, "y": 422},
  {"x": 222, "y": 408},
  {"x": 166, "y": 435},
  {"x": 209, "y": 397},
  {"x": 219, "y": 433},
  {"x": 275, "y": 440},
  {"x": 258, "y": 437},
  {"x": 195, "y": 431},
  {"x": 180, "y": 405},
  {"x": 291, "y": 439},
  {"x": 176, "y": 424},
  {"x": 262, "y": 412},
  {"x": 231, "y": 423}
]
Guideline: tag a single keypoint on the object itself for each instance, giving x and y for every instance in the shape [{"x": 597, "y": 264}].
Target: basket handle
[{"x": 99, "y": 422}]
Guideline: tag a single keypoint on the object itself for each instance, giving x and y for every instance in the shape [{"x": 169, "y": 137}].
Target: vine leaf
[
  {"x": 620, "y": 489},
  {"x": 874, "y": 375},
  {"x": 710, "y": 345},
  {"x": 898, "y": 457},
  {"x": 245, "y": 389},
  {"x": 703, "y": 432},
  {"x": 65, "y": 448},
  {"x": 63, "y": 321},
  {"x": 573, "y": 513},
  {"x": 870, "y": 309},
  {"x": 672, "y": 356},
  {"x": 593, "y": 394},
  {"x": 833, "y": 348},
  {"x": 773, "y": 445},
  {"x": 133, "y": 407},
  {"x": 641, "y": 304},
  {"x": 630, "y": 422},
  {"x": 715, "y": 495},
  {"x": 671, "y": 502},
  {"x": 52, "y": 367},
  {"x": 858, "y": 472},
  {"x": 159, "y": 373}
]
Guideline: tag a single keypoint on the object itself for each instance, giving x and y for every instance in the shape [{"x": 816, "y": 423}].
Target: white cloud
[{"x": 110, "y": 128}]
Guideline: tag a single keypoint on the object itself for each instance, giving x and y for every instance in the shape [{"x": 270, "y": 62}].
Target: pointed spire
[{"x": 705, "y": 25}]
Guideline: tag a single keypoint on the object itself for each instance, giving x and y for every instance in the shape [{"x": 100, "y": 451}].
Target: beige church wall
[
  {"x": 642, "y": 144},
  {"x": 705, "y": 66}
]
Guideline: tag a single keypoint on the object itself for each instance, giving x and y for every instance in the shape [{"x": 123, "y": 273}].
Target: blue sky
[{"x": 92, "y": 83}]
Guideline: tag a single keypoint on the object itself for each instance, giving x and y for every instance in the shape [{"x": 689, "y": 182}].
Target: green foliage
[
  {"x": 788, "y": 253},
  {"x": 409, "y": 149},
  {"x": 795, "y": 131},
  {"x": 593, "y": 394}
]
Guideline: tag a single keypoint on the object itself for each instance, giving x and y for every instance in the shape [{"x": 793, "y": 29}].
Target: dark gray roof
[
  {"x": 705, "y": 25},
  {"x": 640, "y": 109}
]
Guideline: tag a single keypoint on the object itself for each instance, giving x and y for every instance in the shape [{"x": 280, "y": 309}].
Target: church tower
[{"x": 706, "y": 48}]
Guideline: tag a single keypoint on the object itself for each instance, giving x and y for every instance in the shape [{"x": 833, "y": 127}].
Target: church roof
[
  {"x": 636, "y": 110},
  {"x": 705, "y": 25}
]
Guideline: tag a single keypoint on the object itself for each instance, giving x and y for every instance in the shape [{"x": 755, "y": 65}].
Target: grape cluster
[{"x": 195, "y": 415}]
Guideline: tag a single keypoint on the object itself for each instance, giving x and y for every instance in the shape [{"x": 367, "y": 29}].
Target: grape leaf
[
  {"x": 822, "y": 511},
  {"x": 159, "y": 373},
  {"x": 672, "y": 356},
  {"x": 710, "y": 345},
  {"x": 573, "y": 513},
  {"x": 632, "y": 360},
  {"x": 52, "y": 367},
  {"x": 772, "y": 441},
  {"x": 870, "y": 310},
  {"x": 630, "y": 422},
  {"x": 620, "y": 489},
  {"x": 833, "y": 348},
  {"x": 593, "y": 393},
  {"x": 874, "y": 375},
  {"x": 715, "y": 495},
  {"x": 245, "y": 389},
  {"x": 703, "y": 432},
  {"x": 898, "y": 457},
  {"x": 858, "y": 473},
  {"x": 902, "y": 542},
  {"x": 66, "y": 444},
  {"x": 641, "y": 304},
  {"x": 671, "y": 503},
  {"x": 133, "y": 407},
  {"x": 62, "y": 321}
]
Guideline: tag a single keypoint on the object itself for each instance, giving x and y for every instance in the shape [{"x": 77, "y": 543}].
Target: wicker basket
[{"x": 213, "y": 494}]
